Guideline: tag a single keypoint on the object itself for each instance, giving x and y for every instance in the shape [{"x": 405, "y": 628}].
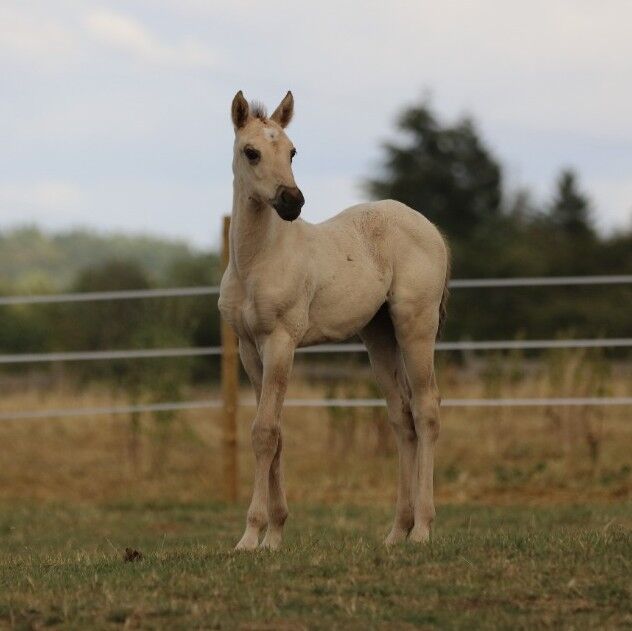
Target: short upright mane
[{"x": 258, "y": 110}]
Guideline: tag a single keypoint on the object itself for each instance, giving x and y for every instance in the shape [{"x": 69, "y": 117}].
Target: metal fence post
[{"x": 230, "y": 391}]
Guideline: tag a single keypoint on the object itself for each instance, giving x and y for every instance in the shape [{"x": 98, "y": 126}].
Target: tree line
[{"x": 447, "y": 172}]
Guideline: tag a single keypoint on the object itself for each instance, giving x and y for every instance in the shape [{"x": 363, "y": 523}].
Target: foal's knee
[{"x": 265, "y": 439}]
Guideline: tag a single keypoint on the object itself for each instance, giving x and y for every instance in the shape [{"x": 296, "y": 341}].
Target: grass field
[
  {"x": 505, "y": 567},
  {"x": 534, "y": 517}
]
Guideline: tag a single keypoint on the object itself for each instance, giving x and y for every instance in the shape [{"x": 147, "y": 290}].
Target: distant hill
[{"x": 31, "y": 259}]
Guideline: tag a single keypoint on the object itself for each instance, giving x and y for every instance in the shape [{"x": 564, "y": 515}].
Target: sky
[{"x": 115, "y": 115}]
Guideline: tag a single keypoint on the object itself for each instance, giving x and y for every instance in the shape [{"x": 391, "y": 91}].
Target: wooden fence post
[{"x": 230, "y": 391}]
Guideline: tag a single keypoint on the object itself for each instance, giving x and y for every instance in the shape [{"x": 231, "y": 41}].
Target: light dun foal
[{"x": 379, "y": 270}]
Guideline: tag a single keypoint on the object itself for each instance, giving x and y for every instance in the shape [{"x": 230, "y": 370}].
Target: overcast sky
[{"x": 114, "y": 115}]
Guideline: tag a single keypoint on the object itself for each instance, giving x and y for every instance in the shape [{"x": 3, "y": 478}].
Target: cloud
[
  {"x": 102, "y": 91},
  {"x": 130, "y": 36},
  {"x": 33, "y": 37}
]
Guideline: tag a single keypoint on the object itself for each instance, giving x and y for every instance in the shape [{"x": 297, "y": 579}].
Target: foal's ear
[
  {"x": 239, "y": 110},
  {"x": 283, "y": 114}
]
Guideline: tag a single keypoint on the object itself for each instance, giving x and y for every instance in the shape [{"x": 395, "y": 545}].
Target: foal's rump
[
  {"x": 425, "y": 268},
  {"x": 421, "y": 269}
]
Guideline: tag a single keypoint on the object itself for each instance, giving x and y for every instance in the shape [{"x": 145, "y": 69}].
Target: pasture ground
[
  {"x": 510, "y": 567},
  {"x": 534, "y": 512}
]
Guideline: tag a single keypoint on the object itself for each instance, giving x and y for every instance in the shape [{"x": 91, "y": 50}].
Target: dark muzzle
[{"x": 288, "y": 202}]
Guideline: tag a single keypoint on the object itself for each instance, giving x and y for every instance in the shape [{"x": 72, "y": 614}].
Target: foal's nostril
[{"x": 288, "y": 202}]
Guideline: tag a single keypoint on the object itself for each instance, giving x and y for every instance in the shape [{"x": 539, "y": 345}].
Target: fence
[{"x": 228, "y": 352}]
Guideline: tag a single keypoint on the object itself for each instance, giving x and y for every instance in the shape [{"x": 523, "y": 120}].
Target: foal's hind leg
[
  {"x": 416, "y": 328},
  {"x": 387, "y": 364}
]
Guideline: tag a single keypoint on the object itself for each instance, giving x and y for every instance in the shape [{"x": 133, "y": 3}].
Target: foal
[{"x": 379, "y": 270}]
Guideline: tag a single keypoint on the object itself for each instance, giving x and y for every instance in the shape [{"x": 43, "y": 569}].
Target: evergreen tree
[
  {"x": 570, "y": 210},
  {"x": 445, "y": 172}
]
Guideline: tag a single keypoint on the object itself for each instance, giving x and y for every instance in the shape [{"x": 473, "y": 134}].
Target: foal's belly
[{"x": 337, "y": 313}]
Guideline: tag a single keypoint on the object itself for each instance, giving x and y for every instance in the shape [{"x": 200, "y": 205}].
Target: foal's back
[
  {"x": 367, "y": 255},
  {"x": 391, "y": 237}
]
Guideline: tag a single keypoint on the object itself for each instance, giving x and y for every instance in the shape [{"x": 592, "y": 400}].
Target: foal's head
[{"x": 263, "y": 155}]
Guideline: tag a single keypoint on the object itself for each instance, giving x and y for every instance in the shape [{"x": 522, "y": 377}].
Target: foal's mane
[{"x": 258, "y": 110}]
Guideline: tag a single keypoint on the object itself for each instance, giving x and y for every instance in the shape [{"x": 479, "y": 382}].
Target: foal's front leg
[
  {"x": 277, "y": 504},
  {"x": 277, "y": 354}
]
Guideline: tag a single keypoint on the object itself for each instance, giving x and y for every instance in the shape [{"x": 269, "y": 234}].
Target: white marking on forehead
[{"x": 270, "y": 133}]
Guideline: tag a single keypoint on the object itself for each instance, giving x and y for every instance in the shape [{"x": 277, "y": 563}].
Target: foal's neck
[{"x": 255, "y": 228}]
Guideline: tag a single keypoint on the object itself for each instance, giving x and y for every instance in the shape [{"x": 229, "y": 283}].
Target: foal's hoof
[
  {"x": 271, "y": 541},
  {"x": 248, "y": 542},
  {"x": 397, "y": 535},
  {"x": 419, "y": 534}
]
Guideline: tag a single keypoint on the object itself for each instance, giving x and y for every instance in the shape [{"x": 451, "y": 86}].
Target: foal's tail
[{"x": 443, "y": 305}]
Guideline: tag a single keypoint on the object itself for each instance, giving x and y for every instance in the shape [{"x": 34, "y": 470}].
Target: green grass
[{"x": 510, "y": 567}]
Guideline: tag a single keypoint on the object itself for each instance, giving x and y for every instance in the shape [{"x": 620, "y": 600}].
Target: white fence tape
[
  {"x": 463, "y": 283},
  {"x": 148, "y": 353},
  {"x": 92, "y": 296},
  {"x": 310, "y": 403},
  {"x": 325, "y": 348}
]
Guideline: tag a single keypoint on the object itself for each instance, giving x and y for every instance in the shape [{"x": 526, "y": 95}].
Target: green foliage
[
  {"x": 118, "y": 324},
  {"x": 447, "y": 173},
  {"x": 108, "y": 324},
  {"x": 29, "y": 256},
  {"x": 572, "y": 245},
  {"x": 137, "y": 323},
  {"x": 197, "y": 318},
  {"x": 570, "y": 211}
]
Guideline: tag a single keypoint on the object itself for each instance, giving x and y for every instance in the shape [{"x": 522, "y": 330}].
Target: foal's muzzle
[{"x": 288, "y": 202}]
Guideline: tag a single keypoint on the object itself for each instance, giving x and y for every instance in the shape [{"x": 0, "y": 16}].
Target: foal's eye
[
  {"x": 252, "y": 154},
  {"x": 292, "y": 154}
]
